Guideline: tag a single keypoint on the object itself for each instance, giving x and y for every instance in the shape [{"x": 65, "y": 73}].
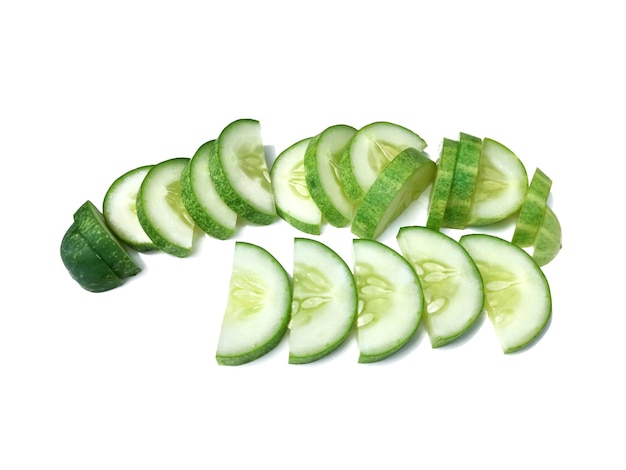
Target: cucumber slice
[
  {"x": 120, "y": 209},
  {"x": 324, "y": 302},
  {"x": 453, "y": 288},
  {"x": 240, "y": 174},
  {"x": 321, "y": 163},
  {"x": 200, "y": 198},
  {"x": 370, "y": 151},
  {"x": 390, "y": 300},
  {"x": 442, "y": 184},
  {"x": 84, "y": 265},
  {"x": 401, "y": 182},
  {"x": 517, "y": 294},
  {"x": 548, "y": 241},
  {"x": 463, "y": 182},
  {"x": 258, "y": 306},
  {"x": 294, "y": 203},
  {"x": 91, "y": 224},
  {"x": 533, "y": 209},
  {"x": 161, "y": 211},
  {"x": 500, "y": 186}
]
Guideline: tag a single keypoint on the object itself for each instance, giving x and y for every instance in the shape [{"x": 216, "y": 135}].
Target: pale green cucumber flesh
[
  {"x": 84, "y": 265},
  {"x": 548, "y": 241},
  {"x": 200, "y": 198},
  {"x": 294, "y": 202},
  {"x": 517, "y": 295},
  {"x": 91, "y": 224},
  {"x": 500, "y": 185},
  {"x": 257, "y": 309},
  {"x": 161, "y": 211},
  {"x": 369, "y": 151},
  {"x": 119, "y": 209},
  {"x": 321, "y": 163},
  {"x": 390, "y": 300},
  {"x": 533, "y": 209},
  {"x": 240, "y": 174},
  {"x": 324, "y": 302},
  {"x": 463, "y": 182},
  {"x": 402, "y": 181},
  {"x": 442, "y": 183},
  {"x": 451, "y": 282}
]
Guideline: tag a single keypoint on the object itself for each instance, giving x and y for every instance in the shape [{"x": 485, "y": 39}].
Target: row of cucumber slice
[{"x": 434, "y": 280}]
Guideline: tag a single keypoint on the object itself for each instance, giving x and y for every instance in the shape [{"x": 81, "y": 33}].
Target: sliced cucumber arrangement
[
  {"x": 324, "y": 302},
  {"x": 517, "y": 294},
  {"x": 293, "y": 200},
  {"x": 240, "y": 173},
  {"x": 200, "y": 198},
  {"x": 258, "y": 306},
  {"x": 453, "y": 288},
  {"x": 321, "y": 163},
  {"x": 368, "y": 153},
  {"x": 390, "y": 300},
  {"x": 161, "y": 211},
  {"x": 120, "y": 210}
]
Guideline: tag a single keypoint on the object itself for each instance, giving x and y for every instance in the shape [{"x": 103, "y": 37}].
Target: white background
[{"x": 128, "y": 380}]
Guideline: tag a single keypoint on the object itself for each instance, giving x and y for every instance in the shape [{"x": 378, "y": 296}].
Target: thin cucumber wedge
[
  {"x": 463, "y": 182},
  {"x": 161, "y": 211},
  {"x": 321, "y": 163},
  {"x": 293, "y": 200},
  {"x": 324, "y": 302},
  {"x": 200, "y": 198},
  {"x": 500, "y": 185},
  {"x": 119, "y": 209},
  {"x": 442, "y": 183},
  {"x": 390, "y": 300},
  {"x": 240, "y": 174},
  {"x": 91, "y": 224},
  {"x": 548, "y": 241},
  {"x": 84, "y": 265},
  {"x": 533, "y": 209},
  {"x": 517, "y": 295},
  {"x": 369, "y": 151},
  {"x": 258, "y": 306},
  {"x": 402, "y": 181},
  {"x": 452, "y": 285}
]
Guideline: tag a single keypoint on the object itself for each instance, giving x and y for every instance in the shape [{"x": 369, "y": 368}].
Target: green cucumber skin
[
  {"x": 312, "y": 229},
  {"x": 330, "y": 213},
  {"x": 533, "y": 209},
  {"x": 463, "y": 182},
  {"x": 383, "y": 191},
  {"x": 84, "y": 265},
  {"x": 442, "y": 183},
  {"x": 206, "y": 223},
  {"x": 91, "y": 224},
  {"x": 350, "y": 184}
]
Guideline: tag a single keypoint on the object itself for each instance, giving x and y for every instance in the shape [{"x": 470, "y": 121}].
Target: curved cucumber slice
[
  {"x": 517, "y": 295},
  {"x": 370, "y": 151},
  {"x": 200, "y": 198},
  {"x": 120, "y": 209},
  {"x": 291, "y": 194},
  {"x": 390, "y": 300},
  {"x": 324, "y": 302},
  {"x": 533, "y": 209},
  {"x": 402, "y": 181},
  {"x": 240, "y": 174},
  {"x": 91, "y": 224},
  {"x": 443, "y": 183},
  {"x": 548, "y": 241},
  {"x": 500, "y": 186},
  {"x": 321, "y": 163},
  {"x": 161, "y": 211},
  {"x": 463, "y": 182},
  {"x": 258, "y": 306},
  {"x": 453, "y": 288},
  {"x": 84, "y": 265}
]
